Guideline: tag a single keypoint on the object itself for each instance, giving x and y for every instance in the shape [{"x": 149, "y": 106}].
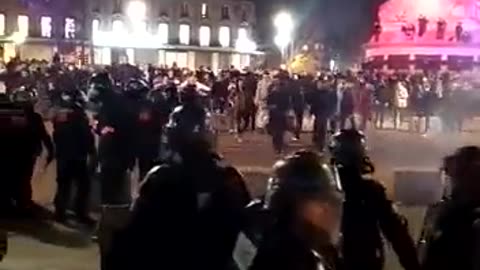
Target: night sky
[{"x": 343, "y": 25}]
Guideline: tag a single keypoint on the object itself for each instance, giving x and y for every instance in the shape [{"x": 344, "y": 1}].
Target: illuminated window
[
  {"x": 224, "y": 36},
  {"x": 163, "y": 33},
  {"x": 69, "y": 28},
  {"x": 242, "y": 33},
  {"x": 204, "y": 36},
  {"x": 185, "y": 10},
  {"x": 204, "y": 11},
  {"x": 23, "y": 25},
  {"x": 2, "y": 24},
  {"x": 184, "y": 34},
  {"x": 225, "y": 12},
  {"x": 117, "y": 26},
  {"x": 95, "y": 26},
  {"x": 46, "y": 27}
]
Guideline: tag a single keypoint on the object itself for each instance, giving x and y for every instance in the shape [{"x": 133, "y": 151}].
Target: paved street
[{"x": 46, "y": 246}]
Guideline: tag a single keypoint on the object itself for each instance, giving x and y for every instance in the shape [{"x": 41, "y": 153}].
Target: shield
[{"x": 418, "y": 186}]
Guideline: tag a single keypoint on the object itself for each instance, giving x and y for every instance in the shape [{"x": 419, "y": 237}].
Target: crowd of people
[{"x": 315, "y": 214}]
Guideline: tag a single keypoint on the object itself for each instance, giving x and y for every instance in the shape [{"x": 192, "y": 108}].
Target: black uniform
[
  {"x": 74, "y": 142},
  {"x": 192, "y": 205},
  {"x": 116, "y": 122},
  {"x": 278, "y": 101},
  {"x": 291, "y": 243},
  {"x": 321, "y": 107},
  {"x": 28, "y": 146},
  {"x": 368, "y": 213},
  {"x": 451, "y": 233}
]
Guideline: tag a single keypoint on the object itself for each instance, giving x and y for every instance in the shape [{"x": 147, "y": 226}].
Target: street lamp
[{"x": 283, "y": 23}]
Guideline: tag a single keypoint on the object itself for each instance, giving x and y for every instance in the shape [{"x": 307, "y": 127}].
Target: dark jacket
[
  {"x": 282, "y": 250},
  {"x": 187, "y": 216},
  {"x": 452, "y": 238},
  {"x": 369, "y": 214},
  {"x": 72, "y": 134}
]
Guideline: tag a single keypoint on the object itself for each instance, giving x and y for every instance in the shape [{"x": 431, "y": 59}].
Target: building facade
[
  {"x": 38, "y": 29},
  {"x": 189, "y": 33}
]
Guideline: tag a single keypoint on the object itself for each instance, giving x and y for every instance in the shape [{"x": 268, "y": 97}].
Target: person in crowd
[
  {"x": 261, "y": 99},
  {"x": 400, "y": 103},
  {"x": 346, "y": 104},
  {"x": 249, "y": 88},
  {"x": 306, "y": 208},
  {"x": 320, "y": 105},
  {"x": 367, "y": 212},
  {"x": 451, "y": 239},
  {"x": 238, "y": 100},
  {"x": 297, "y": 88},
  {"x": 278, "y": 102},
  {"x": 363, "y": 103},
  {"x": 116, "y": 122},
  {"x": 74, "y": 144},
  {"x": 23, "y": 158}
]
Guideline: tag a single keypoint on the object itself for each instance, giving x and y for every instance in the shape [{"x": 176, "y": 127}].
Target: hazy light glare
[{"x": 136, "y": 10}]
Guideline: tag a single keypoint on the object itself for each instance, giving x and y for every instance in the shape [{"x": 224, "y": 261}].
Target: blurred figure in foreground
[
  {"x": 368, "y": 213},
  {"x": 190, "y": 209},
  {"x": 306, "y": 206},
  {"x": 451, "y": 239}
]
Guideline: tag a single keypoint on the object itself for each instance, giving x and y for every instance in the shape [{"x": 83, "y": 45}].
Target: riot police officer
[
  {"x": 149, "y": 125},
  {"x": 368, "y": 213},
  {"x": 451, "y": 238},
  {"x": 74, "y": 142},
  {"x": 116, "y": 123},
  {"x": 190, "y": 209},
  {"x": 29, "y": 148},
  {"x": 306, "y": 205}
]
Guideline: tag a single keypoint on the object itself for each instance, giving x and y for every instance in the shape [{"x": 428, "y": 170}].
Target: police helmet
[
  {"x": 301, "y": 176},
  {"x": 189, "y": 129},
  {"x": 99, "y": 83},
  {"x": 136, "y": 89},
  {"x": 348, "y": 147}
]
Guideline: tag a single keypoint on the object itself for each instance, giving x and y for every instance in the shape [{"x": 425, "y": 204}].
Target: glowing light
[
  {"x": 204, "y": 36},
  {"x": 117, "y": 27},
  {"x": 244, "y": 43},
  {"x": 18, "y": 38},
  {"x": 46, "y": 27},
  {"x": 224, "y": 36},
  {"x": 284, "y": 22},
  {"x": 184, "y": 34}
]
